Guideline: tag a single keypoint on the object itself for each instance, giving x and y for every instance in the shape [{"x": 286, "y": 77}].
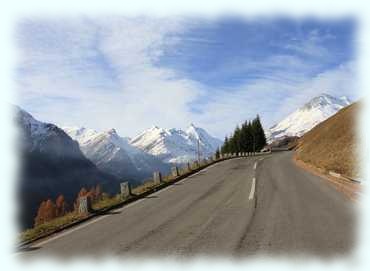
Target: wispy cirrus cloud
[{"x": 131, "y": 73}]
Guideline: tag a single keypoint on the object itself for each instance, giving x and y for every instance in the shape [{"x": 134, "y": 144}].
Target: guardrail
[
  {"x": 159, "y": 182},
  {"x": 342, "y": 176}
]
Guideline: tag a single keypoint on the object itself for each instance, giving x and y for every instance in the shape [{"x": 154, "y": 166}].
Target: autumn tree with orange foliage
[
  {"x": 61, "y": 206},
  {"x": 46, "y": 212},
  {"x": 49, "y": 210}
]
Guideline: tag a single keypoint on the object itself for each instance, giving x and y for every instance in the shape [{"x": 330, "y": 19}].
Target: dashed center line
[
  {"x": 255, "y": 165},
  {"x": 253, "y": 188}
]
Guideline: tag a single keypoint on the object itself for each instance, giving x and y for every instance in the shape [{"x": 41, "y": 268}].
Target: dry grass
[
  {"x": 146, "y": 186},
  {"x": 107, "y": 202},
  {"x": 331, "y": 145},
  {"x": 49, "y": 227}
]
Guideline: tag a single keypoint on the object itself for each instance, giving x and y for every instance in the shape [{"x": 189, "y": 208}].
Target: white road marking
[
  {"x": 255, "y": 165},
  {"x": 253, "y": 188}
]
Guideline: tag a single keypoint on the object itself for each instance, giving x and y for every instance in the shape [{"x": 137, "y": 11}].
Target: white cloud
[
  {"x": 142, "y": 93},
  {"x": 129, "y": 91},
  {"x": 274, "y": 99}
]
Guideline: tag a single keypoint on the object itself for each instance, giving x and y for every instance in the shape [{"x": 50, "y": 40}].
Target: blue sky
[{"x": 132, "y": 73}]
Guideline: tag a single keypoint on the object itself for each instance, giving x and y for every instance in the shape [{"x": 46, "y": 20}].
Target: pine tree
[
  {"x": 217, "y": 153},
  {"x": 260, "y": 134},
  {"x": 225, "y": 146},
  {"x": 249, "y": 138},
  {"x": 237, "y": 140}
]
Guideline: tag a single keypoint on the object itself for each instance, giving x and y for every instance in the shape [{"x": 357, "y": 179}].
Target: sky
[{"x": 133, "y": 73}]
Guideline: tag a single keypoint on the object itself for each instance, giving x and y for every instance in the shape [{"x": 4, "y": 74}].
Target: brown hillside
[{"x": 331, "y": 145}]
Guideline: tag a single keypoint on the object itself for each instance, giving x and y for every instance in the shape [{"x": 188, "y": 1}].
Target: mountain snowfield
[
  {"x": 176, "y": 145},
  {"x": 308, "y": 116},
  {"x": 114, "y": 154}
]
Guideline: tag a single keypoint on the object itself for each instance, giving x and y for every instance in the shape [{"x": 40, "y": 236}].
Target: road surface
[{"x": 240, "y": 207}]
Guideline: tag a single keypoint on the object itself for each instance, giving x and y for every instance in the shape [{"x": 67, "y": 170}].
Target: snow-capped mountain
[
  {"x": 52, "y": 164},
  {"x": 308, "y": 116},
  {"x": 114, "y": 154},
  {"x": 175, "y": 145}
]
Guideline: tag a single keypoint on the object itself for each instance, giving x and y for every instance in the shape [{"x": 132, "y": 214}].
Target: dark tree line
[{"x": 250, "y": 137}]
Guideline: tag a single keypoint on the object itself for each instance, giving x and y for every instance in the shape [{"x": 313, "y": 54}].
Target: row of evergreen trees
[{"x": 250, "y": 137}]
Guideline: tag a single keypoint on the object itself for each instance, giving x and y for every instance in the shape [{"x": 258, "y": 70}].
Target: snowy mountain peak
[
  {"x": 175, "y": 145},
  {"x": 112, "y": 131},
  {"x": 308, "y": 116},
  {"x": 345, "y": 100},
  {"x": 191, "y": 125},
  {"x": 36, "y": 133},
  {"x": 35, "y": 127},
  {"x": 326, "y": 100},
  {"x": 114, "y": 154}
]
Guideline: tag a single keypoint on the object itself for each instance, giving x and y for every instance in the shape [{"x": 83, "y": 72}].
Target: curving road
[{"x": 239, "y": 207}]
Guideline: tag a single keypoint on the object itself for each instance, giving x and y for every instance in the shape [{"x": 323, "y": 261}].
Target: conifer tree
[
  {"x": 217, "y": 153},
  {"x": 247, "y": 138},
  {"x": 225, "y": 146}
]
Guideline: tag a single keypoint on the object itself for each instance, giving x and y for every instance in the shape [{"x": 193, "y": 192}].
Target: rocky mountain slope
[{"x": 52, "y": 164}]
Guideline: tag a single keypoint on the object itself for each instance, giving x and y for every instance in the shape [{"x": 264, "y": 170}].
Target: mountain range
[
  {"x": 115, "y": 155},
  {"x": 175, "y": 145},
  {"x": 52, "y": 164},
  {"x": 308, "y": 116},
  {"x": 62, "y": 161}
]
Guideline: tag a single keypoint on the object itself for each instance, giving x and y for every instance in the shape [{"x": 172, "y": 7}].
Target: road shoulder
[{"x": 351, "y": 190}]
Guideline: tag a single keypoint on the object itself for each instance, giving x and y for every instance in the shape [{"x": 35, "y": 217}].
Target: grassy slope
[{"x": 331, "y": 144}]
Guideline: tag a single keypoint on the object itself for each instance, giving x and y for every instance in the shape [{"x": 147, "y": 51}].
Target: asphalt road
[{"x": 240, "y": 207}]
